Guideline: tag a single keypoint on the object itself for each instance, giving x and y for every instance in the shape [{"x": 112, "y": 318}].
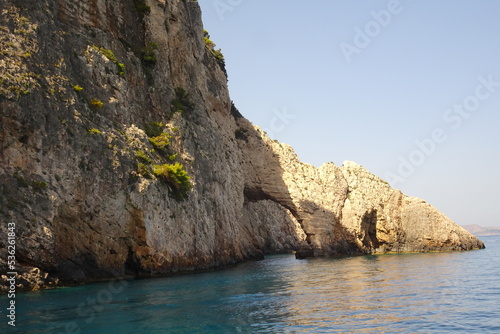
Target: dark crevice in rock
[
  {"x": 369, "y": 229},
  {"x": 132, "y": 268}
]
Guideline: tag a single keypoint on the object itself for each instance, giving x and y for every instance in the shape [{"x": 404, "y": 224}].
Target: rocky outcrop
[
  {"x": 96, "y": 94},
  {"x": 380, "y": 219},
  {"x": 345, "y": 210}
]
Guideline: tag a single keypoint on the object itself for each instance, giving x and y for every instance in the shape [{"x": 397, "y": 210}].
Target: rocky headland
[{"x": 122, "y": 155}]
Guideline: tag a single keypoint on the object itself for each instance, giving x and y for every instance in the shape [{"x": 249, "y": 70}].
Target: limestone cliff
[{"x": 106, "y": 106}]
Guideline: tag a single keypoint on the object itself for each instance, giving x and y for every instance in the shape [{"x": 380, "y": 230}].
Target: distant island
[{"x": 481, "y": 231}]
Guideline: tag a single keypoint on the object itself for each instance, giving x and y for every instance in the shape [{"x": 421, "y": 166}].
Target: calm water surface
[{"x": 411, "y": 293}]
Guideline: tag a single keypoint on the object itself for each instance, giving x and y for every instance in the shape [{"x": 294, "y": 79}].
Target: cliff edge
[{"x": 121, "y": 155}]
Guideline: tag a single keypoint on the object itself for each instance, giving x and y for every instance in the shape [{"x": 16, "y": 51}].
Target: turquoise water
[{"x": 410, "y": 293}]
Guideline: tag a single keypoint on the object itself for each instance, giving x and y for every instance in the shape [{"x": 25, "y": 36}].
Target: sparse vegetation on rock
[
  {"x": 175, "y": 176},
  {"x": 77, "y": 88},
  {"x": 111, "y": 56},
  {"x": 160, "y": 142},
  {"x": 18, "y": 43},
  {"x": 149, "y": 53},
  {"x": 96, "y": 103},
  {"x": 142, "y": 8},
  {"x": 94, "y": 131},
  {"x": 217, "y": 53},
  {"x": 182, "y": 103}
]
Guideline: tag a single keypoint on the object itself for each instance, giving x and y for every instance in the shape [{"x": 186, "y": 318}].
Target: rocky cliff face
[{"x": 105, "y": 105}]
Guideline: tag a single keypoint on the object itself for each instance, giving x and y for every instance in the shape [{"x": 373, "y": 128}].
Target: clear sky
[{"x": 408, "y": 89}]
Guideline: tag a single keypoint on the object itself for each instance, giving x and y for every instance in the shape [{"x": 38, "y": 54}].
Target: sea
[{"x": 452, "y": 292}]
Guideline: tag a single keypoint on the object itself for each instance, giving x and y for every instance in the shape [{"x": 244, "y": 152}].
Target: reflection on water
[
  {"x": 339, "y": 295},
  {"x": 428, "y": 293}
]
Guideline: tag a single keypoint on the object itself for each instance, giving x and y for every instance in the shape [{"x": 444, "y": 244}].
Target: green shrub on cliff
[
  {"x": 141, "y": 8},
  {"x": 39, "y": 185},
  {"x": 160, "y": 142},
  {"x": 208, "y": 41},
  {"x": 182, "y": 101},
  {"x": 211, "y": 46},
  {"x": 95, "y": 103},
  {"x": 94, "y": 131},
  {"x": 157, "y": 137},
  {"x": 121, "y": 68},
  {"x": 144, "y": 170},
  {"x": 106, "y": 52},
  {"x": 153, "y": 129},
  {"x": 175, "y": 176},
  {"x": 111, "y": 56},
  {"x": 149, "y": 53},
  {"x": 142, "y": 157}
]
